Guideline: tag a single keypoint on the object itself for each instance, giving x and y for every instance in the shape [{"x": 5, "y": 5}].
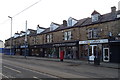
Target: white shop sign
[{"x": 94, "y": 41}]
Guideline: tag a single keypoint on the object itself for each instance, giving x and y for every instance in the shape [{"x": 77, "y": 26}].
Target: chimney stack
[
  {"x": 64, "y": 23},
  {"x": 113, "y": 9}
]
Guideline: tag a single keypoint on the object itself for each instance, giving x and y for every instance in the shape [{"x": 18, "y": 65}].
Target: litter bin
[{"x": 96, "y": 61}]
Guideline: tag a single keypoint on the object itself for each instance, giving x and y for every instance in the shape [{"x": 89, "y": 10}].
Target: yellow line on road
[{"x": 12, "y": 69}]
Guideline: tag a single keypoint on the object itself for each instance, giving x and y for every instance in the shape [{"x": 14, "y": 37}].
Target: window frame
[{"x": 67, "y": 35}]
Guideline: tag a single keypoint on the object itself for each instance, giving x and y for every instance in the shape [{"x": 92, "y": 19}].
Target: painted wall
[{"x": 1, "y": 46}]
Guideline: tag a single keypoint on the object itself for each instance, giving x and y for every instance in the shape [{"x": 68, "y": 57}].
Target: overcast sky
[{"x": 47, "y": 11}]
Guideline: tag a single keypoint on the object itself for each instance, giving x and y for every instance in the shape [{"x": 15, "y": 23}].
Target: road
[{"x": 40, "y": 69}]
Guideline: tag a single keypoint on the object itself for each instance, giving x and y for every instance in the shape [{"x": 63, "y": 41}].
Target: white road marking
[
  {"x": 38, "y": 72},
  {"x": 12, "y": 69},
  {"x": 35, "y": 71},
  {"x": 35, "y": 77},
  {"x": 4, "y": 75}
]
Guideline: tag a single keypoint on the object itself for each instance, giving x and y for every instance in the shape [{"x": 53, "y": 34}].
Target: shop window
[
  {"x": 95, "y": 50},
  {"x": 67, "y": 35},
  {"x": 90, "y": 51}
]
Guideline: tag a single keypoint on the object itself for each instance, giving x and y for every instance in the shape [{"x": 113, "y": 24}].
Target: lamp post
[
  {"x": 25, "y": 39},
  {"x": 10, "y": 36}
]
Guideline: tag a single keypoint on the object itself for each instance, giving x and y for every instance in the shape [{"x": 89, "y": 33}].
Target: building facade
[
  {"x": 1, "y": 47},
  {"x": 85, "y": 39}
]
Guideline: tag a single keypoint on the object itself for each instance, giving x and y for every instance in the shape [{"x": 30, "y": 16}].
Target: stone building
[
  {"x": 88, "y": 38},
  {"x": 100, "y": 39}
]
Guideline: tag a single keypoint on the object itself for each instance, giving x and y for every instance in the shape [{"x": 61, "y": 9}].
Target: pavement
[{"x": 102, "y": 64}]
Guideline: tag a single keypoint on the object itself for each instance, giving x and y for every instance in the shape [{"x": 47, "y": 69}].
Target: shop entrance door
[
  {"x": 92, "y": 52},
  {"x": 106, "y": 55}
]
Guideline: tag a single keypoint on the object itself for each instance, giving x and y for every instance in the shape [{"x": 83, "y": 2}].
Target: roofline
[
  {"x": 100, "y": 22},
  {"x": 79, "y": 26}
]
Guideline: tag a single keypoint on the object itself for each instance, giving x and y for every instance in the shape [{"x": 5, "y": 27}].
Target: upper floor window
[
  {"x": 53, "y": 26},
  {"x": 71, "y": 21},
  {"x": 95, "y": 16},
  {"x": 90, "y": 33},
  {"x": 49, "y": 38},
  {"x": 93, "y": 33},
  {"x": 34, "y": 40},
  {"x": 67, "y": 35}
]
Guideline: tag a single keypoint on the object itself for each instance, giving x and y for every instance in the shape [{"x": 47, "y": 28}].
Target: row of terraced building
[{"x": 84, "y": 39}]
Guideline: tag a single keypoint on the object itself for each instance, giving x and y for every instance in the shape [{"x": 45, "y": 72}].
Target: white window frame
[
  {"x": 93, "y": 33},
  {"x": 67, "y": 35},
  {"x": 95, "y": 17},
  {"x": 90, "y": 33},
  {"x": 49, "y": 38}
]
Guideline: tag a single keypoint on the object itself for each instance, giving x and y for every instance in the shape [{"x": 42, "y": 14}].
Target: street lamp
[
  {"x": 25, "y": 39},
  {"x": 10, "y": 36}
]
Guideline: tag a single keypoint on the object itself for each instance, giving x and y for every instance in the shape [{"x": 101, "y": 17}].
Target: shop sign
[
  {"x": 64, "y": 44},
  {"x": 94, "y": 41},
  {"x": 24, "y": 46}
]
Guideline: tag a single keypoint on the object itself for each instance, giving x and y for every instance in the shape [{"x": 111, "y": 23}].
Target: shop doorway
[
  {"x": 92, "y": 52},
  {"x": 106, "y": 55}
]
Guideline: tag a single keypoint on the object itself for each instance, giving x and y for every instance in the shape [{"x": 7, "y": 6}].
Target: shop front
[
  {"x": 91, "y": 49},
  {"x": 17, "y": 50},
  {"x": 36, "y": 50},
  {"x": 71, "y": 50},
  {"x": 24, "y": 50},
  {"x": 53, "y": 50},
  {"x": 115, "y": 50}
]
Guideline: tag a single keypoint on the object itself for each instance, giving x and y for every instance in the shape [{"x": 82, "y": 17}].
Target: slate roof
[
  {"x": 45, "y": 31},
  {"x": 17, "y": 33},
  {"x": 95, "y": 12},
  {"x": 42, "y": 27},
  {"x": 103, "y": 18},
  {"x": 83, "y": 22},
  {"x": 22, "y": 32},
  {"x": 86, "y": 21},
  {"x": 56, "y": 24},
  {"x": 32, "y": 30}
]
